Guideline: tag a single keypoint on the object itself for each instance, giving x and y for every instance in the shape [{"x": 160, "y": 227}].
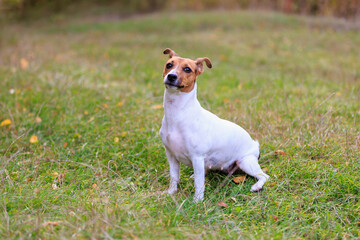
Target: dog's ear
[
  {"x": 170, "y": 52},
  {"x": 199, "y": 64}
]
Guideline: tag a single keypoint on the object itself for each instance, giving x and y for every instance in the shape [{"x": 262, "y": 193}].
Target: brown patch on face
[
  {"x": 186, "y": 69},
  {"x": 185, "y": 79}
]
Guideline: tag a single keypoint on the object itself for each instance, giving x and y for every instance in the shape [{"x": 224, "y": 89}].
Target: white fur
[{"x": 199, "y": 139}]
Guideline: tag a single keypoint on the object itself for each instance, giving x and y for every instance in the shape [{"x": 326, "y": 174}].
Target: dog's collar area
[{"x": 169, "y": 84}]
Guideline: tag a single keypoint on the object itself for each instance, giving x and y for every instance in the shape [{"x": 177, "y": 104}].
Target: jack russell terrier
[{"x": 196, "y": 137}]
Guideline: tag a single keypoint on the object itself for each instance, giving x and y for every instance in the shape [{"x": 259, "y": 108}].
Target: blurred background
[
  {"x": 81, "y": 94},
  {"x": 36, "y": 8}
]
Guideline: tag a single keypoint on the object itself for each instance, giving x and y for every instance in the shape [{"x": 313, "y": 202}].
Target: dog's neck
[{"x": 178, "y": 105}]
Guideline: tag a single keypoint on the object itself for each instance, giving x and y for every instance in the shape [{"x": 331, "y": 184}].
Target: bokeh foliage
[{"x": 345, "y": 8}]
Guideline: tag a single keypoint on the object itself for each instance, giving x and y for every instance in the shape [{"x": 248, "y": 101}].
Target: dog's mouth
[{"x": 173, "y": 85}]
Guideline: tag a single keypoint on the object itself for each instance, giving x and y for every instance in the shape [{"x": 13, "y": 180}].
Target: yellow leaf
[
  {"x": 34, "y": 139},
  {"x": 38, "y": 120},
  {"x": 91, "y": 119},
  {"x": 5, "y": 122},
  {"x": 105, "y": 105},
  {"x": 338, "y": 94},
  {"x": 222, "y": 204},
  {"x": 86, "y": 112},
  {"x": 76, "y": 135},
  {"x": 50, "y": 223},
  {"x": 240, "y": 86},
  {"x": 24, "y": 64},
  {"x": 120, "y": 103},
  {"x": 239, "y": 179},
  {"x": 116, "y": 139},
  {"x": 223, "y": 58},
  {"x": 157, "y": 106},
  {"x": 280, "y": 152},
  {"x": 123, "y": 134},
  {"x": 226, "y": 100}
]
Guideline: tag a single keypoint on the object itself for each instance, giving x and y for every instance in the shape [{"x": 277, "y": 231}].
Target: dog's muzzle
[{"x": 172, "y": 80}]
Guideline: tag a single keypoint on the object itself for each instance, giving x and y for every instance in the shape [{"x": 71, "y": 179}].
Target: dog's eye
[
  {"x": 169, "y": 65},
  {"x": 187, "y": 70}
]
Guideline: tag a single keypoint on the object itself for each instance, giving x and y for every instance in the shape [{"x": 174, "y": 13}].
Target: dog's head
[{"x": 180, "y": 73}]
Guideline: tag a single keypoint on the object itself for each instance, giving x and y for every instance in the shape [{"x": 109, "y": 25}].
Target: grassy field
[{"x": 80, "y": 109}]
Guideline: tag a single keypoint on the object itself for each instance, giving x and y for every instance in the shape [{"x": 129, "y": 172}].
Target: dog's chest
[{"x": 175, "y": 141}]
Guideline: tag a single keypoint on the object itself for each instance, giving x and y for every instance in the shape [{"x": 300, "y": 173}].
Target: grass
[{"x": 96, "y": 85}]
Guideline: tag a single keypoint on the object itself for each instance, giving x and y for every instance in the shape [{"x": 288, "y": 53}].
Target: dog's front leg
[
  {"x": 174, "y": 172},
  {"x": 199, "y": 177}
]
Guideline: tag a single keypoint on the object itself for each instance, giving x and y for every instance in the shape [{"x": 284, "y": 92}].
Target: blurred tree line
[{"x": 339, "y": 8}]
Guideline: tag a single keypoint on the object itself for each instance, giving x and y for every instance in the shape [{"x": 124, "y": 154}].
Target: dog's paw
[
  {"x": 171, "y": 191},
  {"x": 198, "y": 199},
  {"x": 257, "y": 186}
]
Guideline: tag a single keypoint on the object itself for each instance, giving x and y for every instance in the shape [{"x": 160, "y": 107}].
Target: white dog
[{"x": 198, "y": 138}]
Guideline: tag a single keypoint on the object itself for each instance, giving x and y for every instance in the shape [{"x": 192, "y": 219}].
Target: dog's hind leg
[{"x": 250, "y": 165}]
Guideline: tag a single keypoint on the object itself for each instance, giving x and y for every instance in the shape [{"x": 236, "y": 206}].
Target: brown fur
[{"x": 187, "y": 80}]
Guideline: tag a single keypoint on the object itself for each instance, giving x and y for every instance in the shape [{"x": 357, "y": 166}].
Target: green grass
[{"x": 292, "y": 82}]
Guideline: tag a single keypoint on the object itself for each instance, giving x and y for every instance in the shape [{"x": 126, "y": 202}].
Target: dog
[{"x": 198, "y": 138}]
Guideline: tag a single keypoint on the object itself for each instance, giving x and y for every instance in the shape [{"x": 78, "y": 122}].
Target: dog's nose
[{"x": 172, "y": 77}]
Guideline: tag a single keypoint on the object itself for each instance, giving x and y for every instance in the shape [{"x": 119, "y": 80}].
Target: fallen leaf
[
  {"x": 239, "y": 86},
  {"x": 222, "y": 204},
  {"x": 123, "y": 134},
  {"x": 157, "y": 106},
  {"x": 280, "y": 152},
  {"x": 223, "y": 58},
  {"x": 86, "y": 112},
  {"x": 239, "y": 179},
  {"x": 275, "y": 218},
  {"x": 105, "y": 105},
  {"x": 94, "y": 186},
  {"x": 91, "y": 119},
  {"x": 34, "y": 139},
  {"x": 29, "y": 179},
  {"x": 65, "y": 144},
  {"x": 77, "y": 135},
  {"x": 116, "y": 139},
  {"x": 24, "y": 64},
  {"x": 38, "y": 120},
  {"x": 234, "y": 199},
  {"x": 5, "y": 122},
  {"x": 226, "y": 100},
  {"x": 120, "y": 103},
  {"x": 50, "y": 223}
]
